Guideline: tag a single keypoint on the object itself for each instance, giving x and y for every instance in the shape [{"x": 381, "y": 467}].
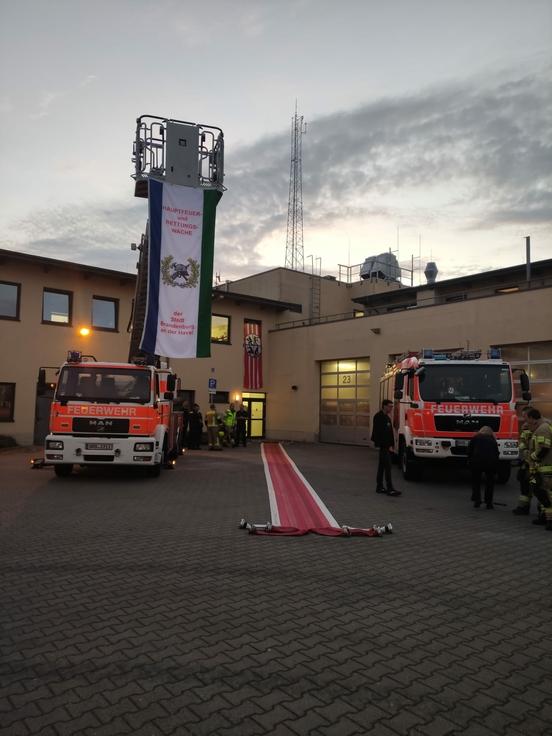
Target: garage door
[{"x": 345, "y": 401}]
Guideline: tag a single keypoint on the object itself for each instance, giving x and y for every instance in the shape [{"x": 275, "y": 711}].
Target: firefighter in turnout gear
[
  {"x": 526, "y": 493},
  {"x": 540, "y": 463}
]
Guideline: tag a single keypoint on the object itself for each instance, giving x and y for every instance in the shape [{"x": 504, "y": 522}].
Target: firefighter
[
  {"x": 211, "y": 422},
  {"x": 540, "y": 464},
  {"x": 524, "y": 501},
  {"x": 229, "y": 420}
]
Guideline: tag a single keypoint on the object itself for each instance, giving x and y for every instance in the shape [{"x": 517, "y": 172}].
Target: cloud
[
  {"x": 95, "y": 234},
  {"x": 461, "y": 156},
  {"x": 473, "y": 155},
  {"x": 47, "y": 98}
]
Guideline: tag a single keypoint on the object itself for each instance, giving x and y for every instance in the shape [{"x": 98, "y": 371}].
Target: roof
[
  {"x": 259, "y": 300},
  {"x": 218, "y": 293},
  {"x": 510, "y": 276},
  {"x": 71, "y": 266}
]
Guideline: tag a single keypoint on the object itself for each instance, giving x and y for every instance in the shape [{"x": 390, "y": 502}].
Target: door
[
  {"x": 256, "y": 405},
  {"x": 345, "y": 401}
]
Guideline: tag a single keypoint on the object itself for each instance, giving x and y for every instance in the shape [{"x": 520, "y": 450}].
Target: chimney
[{"x": 431, "y": 272}]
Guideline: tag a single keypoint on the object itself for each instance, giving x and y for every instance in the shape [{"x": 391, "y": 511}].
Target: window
[
  {"x": 536, "y": 360},
  {"x": 56, "y": 307},
  {"x": 220, "y": 329},
  {"x": 105, "y": 313},
  {"x": 104, "y": 384},
  {"x": 7, "y": 401},
  {"x": 9, "y": 300},
  {"x": 220, "y": 397}
]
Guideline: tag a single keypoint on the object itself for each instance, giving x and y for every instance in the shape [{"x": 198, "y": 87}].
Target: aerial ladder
[{"x": 178, "y": 152}]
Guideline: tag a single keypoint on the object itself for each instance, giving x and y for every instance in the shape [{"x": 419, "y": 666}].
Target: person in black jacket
[
  {"x": 242, "y": 415},
  {"x": 483, "y": 460},
  {"x": 384, "y": 439},
  {"x": 195, "y": 428}
]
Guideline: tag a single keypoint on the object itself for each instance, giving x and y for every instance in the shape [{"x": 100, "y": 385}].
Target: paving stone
[{"x": 136, "y": 606}]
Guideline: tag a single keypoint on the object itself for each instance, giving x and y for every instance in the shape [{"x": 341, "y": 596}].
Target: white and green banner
[{"x": 180, "y": 270}]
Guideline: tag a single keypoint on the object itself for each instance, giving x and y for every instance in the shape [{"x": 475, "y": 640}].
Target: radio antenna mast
[{"x": 295, "y": 258}]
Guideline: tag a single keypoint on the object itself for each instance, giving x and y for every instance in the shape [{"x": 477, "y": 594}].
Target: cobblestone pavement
[{"x": 132, "y": 605}]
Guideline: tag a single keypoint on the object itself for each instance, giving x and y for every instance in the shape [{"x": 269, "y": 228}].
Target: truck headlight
[
  {"x": 423, "y": 443},
  {"x": 510, "y": 443},
  {"x": 143, "y": 447},
  {"x": 54, "y": 445}
]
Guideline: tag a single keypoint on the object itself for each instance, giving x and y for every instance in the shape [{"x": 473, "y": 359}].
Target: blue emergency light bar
[
  {"x": 430, "y": 354},
  {"x": 74, "y": 356}
]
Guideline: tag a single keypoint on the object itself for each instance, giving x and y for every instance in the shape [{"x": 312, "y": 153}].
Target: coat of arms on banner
[
  {"x": 253, "y": 345},
  {"x": 186, "y": 276}
]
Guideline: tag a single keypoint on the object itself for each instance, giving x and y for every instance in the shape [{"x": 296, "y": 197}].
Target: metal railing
[
  {"x": 149, "y": 151},
  {"x": 437, "y": 298}
]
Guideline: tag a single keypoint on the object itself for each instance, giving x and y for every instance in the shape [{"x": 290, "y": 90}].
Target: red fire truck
[
  {"x": 441, "y": 399},
  {"x": 113, "y": 414}
]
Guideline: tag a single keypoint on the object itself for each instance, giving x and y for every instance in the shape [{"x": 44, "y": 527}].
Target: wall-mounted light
[
  {"x": 84, "y": 331},
  {"x": 294, "y": 388},
  {"x": 237, "y": 397},
  {"x": 375, "y": 330}
]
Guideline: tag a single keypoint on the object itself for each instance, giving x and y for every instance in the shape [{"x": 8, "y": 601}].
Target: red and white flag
[{"x": 252, "y": 355}]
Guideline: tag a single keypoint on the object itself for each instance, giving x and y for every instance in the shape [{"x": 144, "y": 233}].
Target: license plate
[
  {"x": 99, "y": 445},
  {"x": 461, "y": 443}
]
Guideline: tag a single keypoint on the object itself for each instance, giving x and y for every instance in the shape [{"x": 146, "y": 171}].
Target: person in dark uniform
[
  {"x": 242, "y": 415},
  {"x": 195, "y": 424},
  {"x": 483, "y": 457},
  {"x": 384, "y": 439}
]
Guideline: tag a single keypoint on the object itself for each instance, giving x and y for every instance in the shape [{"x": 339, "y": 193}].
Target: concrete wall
[
  {"x": 290, "y": 356},
  {"x": 226, "y": 361},
  {"x": 26, "y": 345},
  {"x": 479, "y": 323},
  {"x": 296, "y": 286}
]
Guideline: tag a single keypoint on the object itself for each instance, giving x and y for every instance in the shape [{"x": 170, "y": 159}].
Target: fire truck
[
  {"x": 110, "y": 413},
  {"x": 113, "y": 414},
  {"x": 442, "y": 398}
]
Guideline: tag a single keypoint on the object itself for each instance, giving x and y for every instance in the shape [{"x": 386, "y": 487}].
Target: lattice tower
[{"x": 295, "y": 258}]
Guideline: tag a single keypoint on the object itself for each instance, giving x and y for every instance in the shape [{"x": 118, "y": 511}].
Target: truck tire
[
  {"x": 411, "y": 467},
  {"x": 503, "y": 472},
  {"x": 155, "y": 470},
  {"x": 63, "y": 471}
]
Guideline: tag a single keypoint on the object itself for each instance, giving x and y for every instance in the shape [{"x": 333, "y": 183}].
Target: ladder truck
[{"x": 113, "y": 413}]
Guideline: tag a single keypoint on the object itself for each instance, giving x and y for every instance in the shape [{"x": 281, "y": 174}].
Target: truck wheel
[
  {"x": 63, "y": 471},
  {"x": 503, "y": 472},
  {"x": 155, "y": 470},
  {"x": 410, "y": 466}
]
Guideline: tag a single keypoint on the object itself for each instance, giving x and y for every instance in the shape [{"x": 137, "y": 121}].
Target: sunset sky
[{"x": 428, "y": 125}]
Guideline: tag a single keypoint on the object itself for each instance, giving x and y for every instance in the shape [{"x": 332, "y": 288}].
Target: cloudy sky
[{"x": 428, "y": 125}]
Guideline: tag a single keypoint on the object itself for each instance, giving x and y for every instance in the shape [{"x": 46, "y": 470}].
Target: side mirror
[
  {"x": 524, "y": 381},
  {"x": 168, "y": 395},
  {"x": 41, "y": 383},
  {"x": 525, "y": 386},
  {"x": 399, "y": 385},
  {"x": 171, "y": 382}
]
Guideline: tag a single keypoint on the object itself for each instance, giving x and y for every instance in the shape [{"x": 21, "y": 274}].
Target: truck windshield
[
  {"x": 466, "y": 383},
  {"x": 103, "y": 385}
]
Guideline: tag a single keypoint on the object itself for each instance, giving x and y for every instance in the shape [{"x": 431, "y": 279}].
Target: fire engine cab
[
  {"x": 441, "y": 399},
  {"x": 113, "y": 414}
]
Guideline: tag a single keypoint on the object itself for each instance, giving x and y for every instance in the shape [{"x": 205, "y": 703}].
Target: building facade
[{"x": 325, "y": 342}]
